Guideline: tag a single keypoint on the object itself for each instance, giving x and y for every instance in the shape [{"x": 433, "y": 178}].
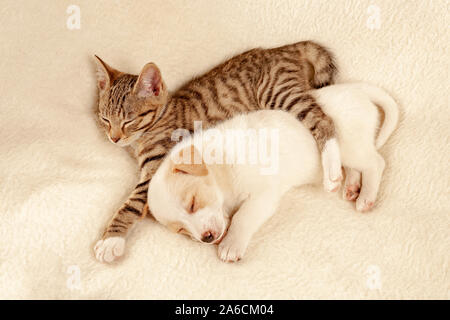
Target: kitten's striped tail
[
  {"x": 382, "y": 99},
  {"x": 321, "y": 59}
]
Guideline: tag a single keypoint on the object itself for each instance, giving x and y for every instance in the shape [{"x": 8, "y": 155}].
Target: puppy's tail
[{"x": 382, "y": 99}]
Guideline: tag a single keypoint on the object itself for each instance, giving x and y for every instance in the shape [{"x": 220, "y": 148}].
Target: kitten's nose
[
  {"x": 115, "y": 139},
  {"x": 207, "y": 237}
]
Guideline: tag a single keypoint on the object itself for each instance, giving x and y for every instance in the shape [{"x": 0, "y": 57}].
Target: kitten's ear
[
  {"x": 105, "y": 74},
  {"x": 149, "y": 83},
  {"x": 189, "y": 161}
]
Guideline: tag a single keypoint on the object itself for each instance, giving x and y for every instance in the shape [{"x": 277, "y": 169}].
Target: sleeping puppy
[{"x": 204, "y": 191}]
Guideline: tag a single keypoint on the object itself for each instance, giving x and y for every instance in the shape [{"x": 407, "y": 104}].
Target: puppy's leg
[
  {"x": 245, "y": 222},
  {"x": 352, "y": 184},
  {"x": 331, "y": 164},
  {"x": 371, "y": 178}
]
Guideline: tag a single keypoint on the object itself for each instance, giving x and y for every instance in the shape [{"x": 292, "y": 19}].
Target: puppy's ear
[
  {"x": 105, "y": 74},
  {"x": 149, "y": 83},
  {"x": 189, "y": 161}
]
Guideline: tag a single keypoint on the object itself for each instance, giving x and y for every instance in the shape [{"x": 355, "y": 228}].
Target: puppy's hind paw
[
  {"x": 351, "y": 192},
  {"x": 109, "y": 249},
  {"x": 364, "y": 205}
]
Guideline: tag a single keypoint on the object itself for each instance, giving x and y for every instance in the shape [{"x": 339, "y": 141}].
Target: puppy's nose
[
  {"x": 115, "y": 139},
  {"x": 207, "y": 237}
]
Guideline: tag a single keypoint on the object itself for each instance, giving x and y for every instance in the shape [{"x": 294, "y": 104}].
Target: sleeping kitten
[
  {"x": 137, "y": 111},
  {"x": 226, "y": 204}
]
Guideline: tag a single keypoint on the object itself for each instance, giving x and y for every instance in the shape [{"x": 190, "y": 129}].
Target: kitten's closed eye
[
  {"x": 105, "y": 122},
  {"x": 124, "y": 124},
  {"x": 143, "y": 114}
]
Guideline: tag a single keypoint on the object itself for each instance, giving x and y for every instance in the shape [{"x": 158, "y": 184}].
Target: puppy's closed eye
[
  {"x": 184, "y": 231},
  {"x": 192, "y": 208}
]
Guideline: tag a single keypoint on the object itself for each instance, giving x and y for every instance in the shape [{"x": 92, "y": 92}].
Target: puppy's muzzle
[{"x": 208, "y": 237}]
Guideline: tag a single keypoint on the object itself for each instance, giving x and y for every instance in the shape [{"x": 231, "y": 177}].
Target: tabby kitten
[{"x": 137, "y": 111}]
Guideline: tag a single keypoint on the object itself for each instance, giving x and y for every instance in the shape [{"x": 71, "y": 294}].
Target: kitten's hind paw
[
  {"x": 332, "y": 186},
  {"x": 109, "y": 249},
  {"x": 332, "y": 166}
]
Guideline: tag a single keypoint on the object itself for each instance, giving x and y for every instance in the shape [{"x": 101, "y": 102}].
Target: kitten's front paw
[
  {"x": 231, "y": 249},
  {"x": 109, "y": 249}
]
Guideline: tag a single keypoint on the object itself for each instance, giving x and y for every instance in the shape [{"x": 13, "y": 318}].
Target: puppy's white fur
[{"x": 230, "y": 202}]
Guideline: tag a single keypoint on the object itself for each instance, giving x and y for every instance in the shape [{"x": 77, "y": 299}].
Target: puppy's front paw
[
  {"x": 232, "y": 249},
  {"x": 109, "y": 249}
]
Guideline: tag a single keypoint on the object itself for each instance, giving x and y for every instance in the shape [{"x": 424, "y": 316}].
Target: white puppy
[{"x": 227, "y": 203}]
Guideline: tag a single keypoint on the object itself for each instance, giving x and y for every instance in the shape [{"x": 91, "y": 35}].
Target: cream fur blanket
[{"x": 60, "y": 179}]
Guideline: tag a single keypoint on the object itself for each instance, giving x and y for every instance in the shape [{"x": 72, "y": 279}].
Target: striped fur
[{"x": 139, "y": 111}]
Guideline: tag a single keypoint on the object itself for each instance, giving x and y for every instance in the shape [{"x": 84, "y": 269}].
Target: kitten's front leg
[
  {"x": 246, "y": 221},
  {"x": 112, "y": 245}
]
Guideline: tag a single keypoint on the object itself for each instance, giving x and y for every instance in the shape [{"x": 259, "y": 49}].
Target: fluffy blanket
[{"x": 61, "y": 180}]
